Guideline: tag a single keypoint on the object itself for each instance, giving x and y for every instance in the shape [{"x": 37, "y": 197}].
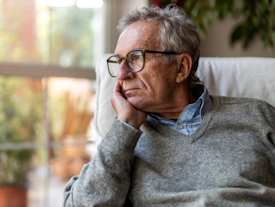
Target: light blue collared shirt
[{"x": 192, "y": 115}]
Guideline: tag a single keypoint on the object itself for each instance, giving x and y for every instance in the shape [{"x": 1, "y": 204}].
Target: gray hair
[{"x": 178, "y": 33}]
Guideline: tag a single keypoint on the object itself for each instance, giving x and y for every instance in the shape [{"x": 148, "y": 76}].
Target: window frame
[{"x": 39, "y": 70}]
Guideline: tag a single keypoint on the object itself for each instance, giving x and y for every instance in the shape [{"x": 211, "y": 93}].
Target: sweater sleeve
[{"x": 105, "y": 181}]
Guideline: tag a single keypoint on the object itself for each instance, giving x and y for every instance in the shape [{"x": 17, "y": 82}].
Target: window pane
[
  {"x": 21, "y": 122},
  {"x": 43, "y": 188},
  {"x": 71, "y": 105},
  {"x": 43, "y": 185},
  {"x": 71, "y": 109},
  {"x": 21, "y": 110},
  {"x": 65, "y": 35}
]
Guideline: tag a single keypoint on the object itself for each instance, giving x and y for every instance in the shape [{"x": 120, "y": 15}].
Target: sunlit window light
[
  {"x": 41, "y": 2},
  {"x": 89, "y": 3},
  {"x": 67, "y": 3},
  {"x": 55, "y": 3}
]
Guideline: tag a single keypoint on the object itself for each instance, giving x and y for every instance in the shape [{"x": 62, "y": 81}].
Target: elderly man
[{"x": 171, "y": 143}]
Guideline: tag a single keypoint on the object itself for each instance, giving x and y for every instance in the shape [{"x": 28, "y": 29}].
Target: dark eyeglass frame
[{"x": 143, "y": 51}]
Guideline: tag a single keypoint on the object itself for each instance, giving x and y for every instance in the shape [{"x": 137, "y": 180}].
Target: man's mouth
[{"x": 130, "y": 90}]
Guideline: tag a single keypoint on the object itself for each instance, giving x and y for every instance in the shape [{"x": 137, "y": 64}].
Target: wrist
[
  {"x": 130, "y": 121},
  {"x": 127, "y": 124}
]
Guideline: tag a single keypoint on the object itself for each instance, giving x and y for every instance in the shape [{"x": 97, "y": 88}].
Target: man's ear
[{"x": 184, "y": 67}]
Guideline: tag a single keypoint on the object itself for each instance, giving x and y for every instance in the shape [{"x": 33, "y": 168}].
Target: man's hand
[{"x": 125, "y": 111}]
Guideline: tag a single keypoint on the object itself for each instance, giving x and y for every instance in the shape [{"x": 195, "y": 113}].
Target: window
[
  {"x": 60, "y": 33},
  {"x": 49, "y": 50}
]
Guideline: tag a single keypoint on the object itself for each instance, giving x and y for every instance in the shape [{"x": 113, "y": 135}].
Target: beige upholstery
[{"x": 234, "y": 77}]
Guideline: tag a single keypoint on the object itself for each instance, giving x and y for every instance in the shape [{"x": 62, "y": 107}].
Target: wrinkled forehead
[{"x": 143, "y": 35}]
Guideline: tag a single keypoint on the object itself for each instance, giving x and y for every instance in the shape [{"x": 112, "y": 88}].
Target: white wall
[{"x": 217, "y": 43}]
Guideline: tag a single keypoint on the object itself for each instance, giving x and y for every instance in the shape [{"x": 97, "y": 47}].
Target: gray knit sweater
[{"x": 228, "y": 161}]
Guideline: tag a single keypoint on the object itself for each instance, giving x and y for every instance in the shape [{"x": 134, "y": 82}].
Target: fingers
[
  {"x": 117, "y": 88},
  {"x": 117, "y": 100}
]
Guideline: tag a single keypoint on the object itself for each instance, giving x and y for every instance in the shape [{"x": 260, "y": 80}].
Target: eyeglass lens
[{"x": 134, "y": 62}]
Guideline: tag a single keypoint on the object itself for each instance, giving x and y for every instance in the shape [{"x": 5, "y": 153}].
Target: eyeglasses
[{"x": 134, "y": 60}]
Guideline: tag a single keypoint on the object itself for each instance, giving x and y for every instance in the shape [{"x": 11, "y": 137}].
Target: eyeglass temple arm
[{"x": 174, "y": 53}]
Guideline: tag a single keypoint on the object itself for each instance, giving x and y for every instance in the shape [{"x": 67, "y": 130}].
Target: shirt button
[{"x": 180, "y": 126}]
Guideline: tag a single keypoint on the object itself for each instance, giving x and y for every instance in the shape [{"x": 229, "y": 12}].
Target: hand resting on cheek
[{"x": 125, "y": 111}]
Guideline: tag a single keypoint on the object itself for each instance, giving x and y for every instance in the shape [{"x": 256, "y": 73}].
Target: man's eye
[
  {"x": 138, "y": 57},
  {"x": 135, "y": 57}
]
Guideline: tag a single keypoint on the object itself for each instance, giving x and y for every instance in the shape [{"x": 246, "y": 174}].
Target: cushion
[
  {"x": 249, "y": 77},
  {"x": 104, "y": 112}
]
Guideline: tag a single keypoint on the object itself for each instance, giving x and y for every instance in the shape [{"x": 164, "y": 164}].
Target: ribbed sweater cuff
[{"x": 121, "y": 137}]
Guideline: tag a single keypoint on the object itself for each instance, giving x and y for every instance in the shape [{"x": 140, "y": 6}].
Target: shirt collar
[
  {"x": 202, "y": 92},
  {"x": 203, "y": 103}
]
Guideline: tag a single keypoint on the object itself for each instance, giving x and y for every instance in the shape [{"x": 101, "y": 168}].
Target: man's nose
[{"x": 123, "y": 72}]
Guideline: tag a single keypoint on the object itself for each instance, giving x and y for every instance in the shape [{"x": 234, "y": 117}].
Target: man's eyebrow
[{"x": 139, "y": 48}]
